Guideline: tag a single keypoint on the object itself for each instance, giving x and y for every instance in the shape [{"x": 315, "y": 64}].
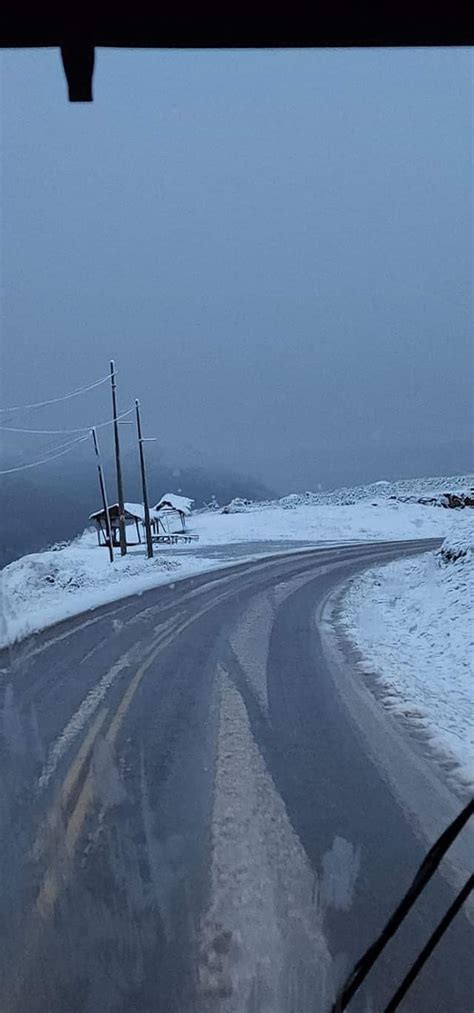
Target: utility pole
[
  {"x": 105, "y": 504},
  {"x": 118, "y": 466},
  {"x": 149, "y": 543}
]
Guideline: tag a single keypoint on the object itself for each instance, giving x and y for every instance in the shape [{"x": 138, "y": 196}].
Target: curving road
[{"x": 202, "y": 809}]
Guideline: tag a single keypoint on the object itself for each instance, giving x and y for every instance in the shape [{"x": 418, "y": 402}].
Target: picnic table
[{"x": 174, "y": 537}]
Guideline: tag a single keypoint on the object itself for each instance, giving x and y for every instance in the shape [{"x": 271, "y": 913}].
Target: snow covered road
[
  {"x": 46, "y": 587},
  {"x": 191, "y": 813}
]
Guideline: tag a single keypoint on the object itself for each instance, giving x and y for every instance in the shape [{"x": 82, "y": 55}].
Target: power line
[
  {"x": 57, "y": 432},
  {"x": 34, "y": 464},
  {"x": 65, "y": 444},
  {"x": 54, "y": 400}
]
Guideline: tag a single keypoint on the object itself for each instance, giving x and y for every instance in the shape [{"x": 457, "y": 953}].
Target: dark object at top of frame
[{"x": 229, "y": 26}]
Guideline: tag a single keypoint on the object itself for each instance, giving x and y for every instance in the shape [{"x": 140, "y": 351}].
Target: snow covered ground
[
  {"x": 45, "y": 587},
  {"x": 373, "y": 519},
  {"x": 413, "y": 621}
]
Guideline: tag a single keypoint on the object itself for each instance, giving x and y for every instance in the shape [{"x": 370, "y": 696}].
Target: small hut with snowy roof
[{"x": 170, "y": 506}]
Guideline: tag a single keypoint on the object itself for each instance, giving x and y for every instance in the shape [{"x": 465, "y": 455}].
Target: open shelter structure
[
  {"x": 172, "y": 506},
  {"x": 134, "y": 516}
]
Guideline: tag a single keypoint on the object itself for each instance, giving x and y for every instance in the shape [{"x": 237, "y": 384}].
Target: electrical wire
[
  {"x": 62, "y": 397},
  {"x": 58, "y": 432},
  {"x": 63, "y": 448}
]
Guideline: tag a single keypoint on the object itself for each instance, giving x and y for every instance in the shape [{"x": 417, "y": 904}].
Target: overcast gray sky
[{"x": 275, "y": 247}]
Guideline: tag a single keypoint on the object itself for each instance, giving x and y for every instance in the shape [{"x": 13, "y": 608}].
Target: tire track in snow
[{"x": 262, "y": 948}]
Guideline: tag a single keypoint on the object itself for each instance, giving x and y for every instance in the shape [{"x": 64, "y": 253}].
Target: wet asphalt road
[{"x": 195, "y": 818}]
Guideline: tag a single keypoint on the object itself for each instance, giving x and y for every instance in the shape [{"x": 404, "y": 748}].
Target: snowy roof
[
  {"x": 173, "y": 502},
  {"x": 135, "y": 511},
  {"x": 138, "y": 510}
]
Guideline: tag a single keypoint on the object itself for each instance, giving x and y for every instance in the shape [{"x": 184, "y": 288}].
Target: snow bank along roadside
[
  {"x": 413, "y": 622},
  {"x": 44, "y": 588}
]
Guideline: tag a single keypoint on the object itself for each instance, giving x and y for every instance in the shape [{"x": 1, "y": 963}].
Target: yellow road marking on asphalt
[
  {"x": 53, "y": 879},
  {"x": 48, "y": 894},
  {"x": 78, "y": 815},
  {"x": 75, "y": 769},
  {"x": 129, "y": 694},
  {"x": 69, "y": 783},
  {"x": 56, "y": 875}
]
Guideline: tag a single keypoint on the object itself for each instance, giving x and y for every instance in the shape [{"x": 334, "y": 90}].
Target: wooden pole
[
  {"x": 149, "y": 543},
  {"x": 104, "y": 495},
  {"x": 118, "y": 465}
]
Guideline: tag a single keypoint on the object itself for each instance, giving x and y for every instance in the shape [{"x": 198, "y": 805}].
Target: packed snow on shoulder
[
  {"x": 413, "y": 623},
  {"x": 46, "y": 587}
]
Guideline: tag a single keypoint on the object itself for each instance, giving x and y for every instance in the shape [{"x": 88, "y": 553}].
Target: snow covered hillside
[
  {"x": 372, "y": 519},
  {"x": 403, "y": 490},
  {"x": 45, "y": 587},
  {"x": 413, "y": 621}
]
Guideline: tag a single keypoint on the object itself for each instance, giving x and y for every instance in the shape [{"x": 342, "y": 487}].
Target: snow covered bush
[
  {"x": 457, "y": 546},
  {"x": 238, "y": 506}
]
